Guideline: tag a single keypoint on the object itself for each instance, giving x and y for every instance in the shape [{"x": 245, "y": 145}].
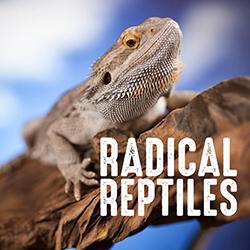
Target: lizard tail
[{"x": 30, "y": 131}]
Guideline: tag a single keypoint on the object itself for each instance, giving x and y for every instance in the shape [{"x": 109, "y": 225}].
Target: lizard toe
[
  {"x": 77, "y": 191},
  {"x": 86, "y": 162},
  {"x": 88, "y": 174},
  {"x": 67, "y": 186},
  {"x": 89, "y": 182}
]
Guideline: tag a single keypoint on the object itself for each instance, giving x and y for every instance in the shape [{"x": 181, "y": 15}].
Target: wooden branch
[{"x": 36, "y": 214}]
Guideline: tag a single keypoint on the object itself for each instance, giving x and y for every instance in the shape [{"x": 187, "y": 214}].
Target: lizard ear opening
[{"x": 107, "y": 78}]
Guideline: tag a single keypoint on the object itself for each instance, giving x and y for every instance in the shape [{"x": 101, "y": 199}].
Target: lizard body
[{"x": 124, "y": 90}]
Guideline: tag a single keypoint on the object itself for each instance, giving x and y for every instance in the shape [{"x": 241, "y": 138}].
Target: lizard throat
[{"x": 143, "y": 91}]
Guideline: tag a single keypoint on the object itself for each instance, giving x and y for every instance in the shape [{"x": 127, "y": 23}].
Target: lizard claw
[
  {"x": 77, "y": 191},
  {"x": 67, "y": 186},
  {"x": 89, "y": 182},
  {"x": 77, "y": 173},
  {"x": 86, "y": 174}
]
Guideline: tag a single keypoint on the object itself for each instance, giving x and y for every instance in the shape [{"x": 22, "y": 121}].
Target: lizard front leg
[
  {"x": 63, "y": 135},
  {"x": 179, "y": 99}
]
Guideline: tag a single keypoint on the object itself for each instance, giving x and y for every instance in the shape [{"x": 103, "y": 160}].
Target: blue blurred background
[{"x": 47, "y": 47}]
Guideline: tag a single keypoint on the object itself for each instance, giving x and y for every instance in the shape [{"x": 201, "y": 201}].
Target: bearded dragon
[{"x": 125, "y": 90}]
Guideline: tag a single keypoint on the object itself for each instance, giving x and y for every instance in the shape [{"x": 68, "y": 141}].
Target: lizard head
[{"x": 142, "y": 65}]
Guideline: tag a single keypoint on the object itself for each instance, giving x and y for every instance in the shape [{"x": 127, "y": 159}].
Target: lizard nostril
[{"x": 107, "y": 78}]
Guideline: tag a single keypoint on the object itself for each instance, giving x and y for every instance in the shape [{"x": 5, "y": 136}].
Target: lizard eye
[
  {"x": 131, "y": 41},
  {"x": 107, "y": 78}
]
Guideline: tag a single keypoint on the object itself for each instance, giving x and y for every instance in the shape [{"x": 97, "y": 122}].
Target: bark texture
[{"x": 36, "y": 214}]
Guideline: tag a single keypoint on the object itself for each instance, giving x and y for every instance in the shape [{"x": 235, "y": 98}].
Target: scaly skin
[{"x": 123, "y": 91}]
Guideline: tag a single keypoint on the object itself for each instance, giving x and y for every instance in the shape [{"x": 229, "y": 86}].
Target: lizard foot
[{"x": 77, "y": 174}]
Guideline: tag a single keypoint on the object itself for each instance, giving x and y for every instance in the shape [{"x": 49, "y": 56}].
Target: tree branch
[{"x": 36, "y": 214}]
